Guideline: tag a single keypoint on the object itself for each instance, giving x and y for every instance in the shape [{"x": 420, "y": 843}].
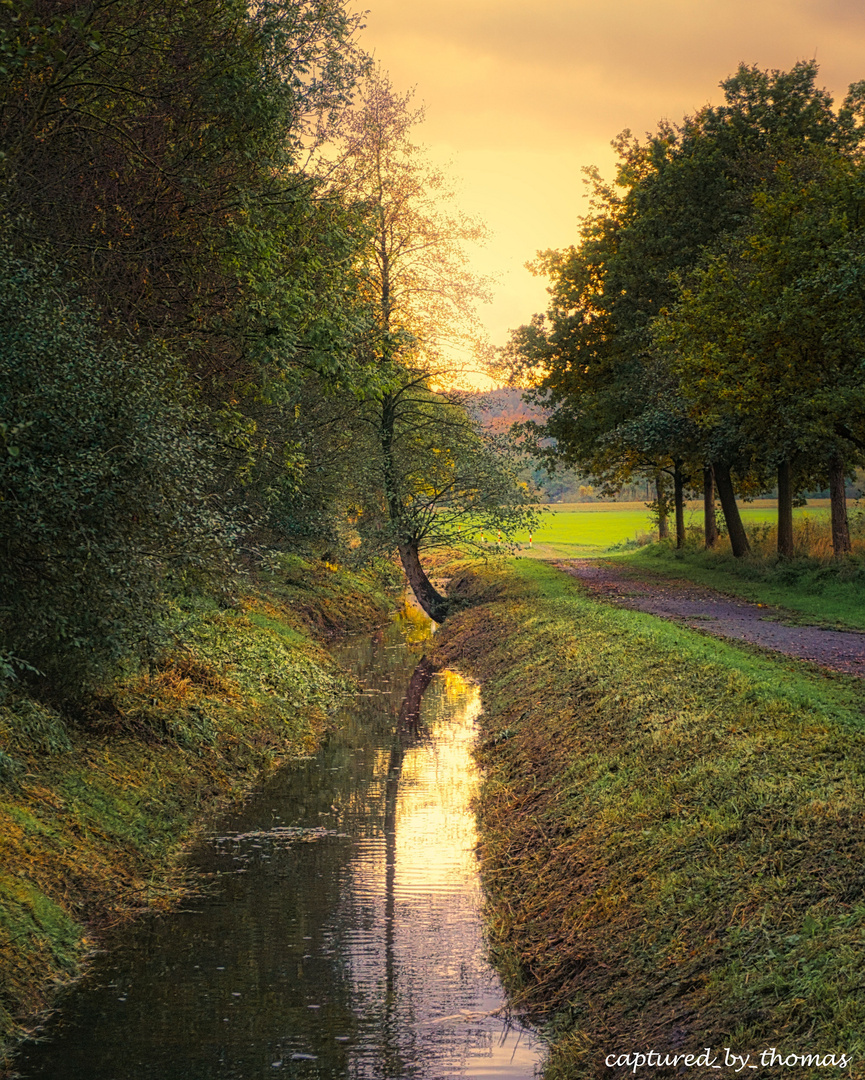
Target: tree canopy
[
  {"x": 230, "y": 280},
  {"x": 707, "y": 324}
]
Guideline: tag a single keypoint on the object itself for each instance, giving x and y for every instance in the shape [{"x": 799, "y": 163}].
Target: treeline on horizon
[
  {"x": 708, "y": 329},
  {"x": 218, "y": 244}
]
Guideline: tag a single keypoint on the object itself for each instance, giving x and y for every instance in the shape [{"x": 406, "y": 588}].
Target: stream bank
[
  {"x": 672, "y": 833},
  {"x": 341, "y": 933},
  {"x": 98, "y": 803}
]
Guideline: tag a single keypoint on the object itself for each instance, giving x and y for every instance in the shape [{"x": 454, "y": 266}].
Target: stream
[{"x": 342, "y": 936}]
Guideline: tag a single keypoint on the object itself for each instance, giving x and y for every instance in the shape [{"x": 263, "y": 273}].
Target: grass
[
  {"x": 807, "y": 589},
  {"x": 581, "y": 530},
  {"x": 672, "y": 831},
  {"x": 586, "y": 530},
  {"x": 95, "y": 807},
  {"x": 813, "y": 587}
]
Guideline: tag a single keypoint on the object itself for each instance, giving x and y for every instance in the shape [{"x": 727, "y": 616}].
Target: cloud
[{"x": 525, "y": 95}]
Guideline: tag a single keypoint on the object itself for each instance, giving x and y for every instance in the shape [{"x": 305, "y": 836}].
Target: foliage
[
  {"x": 687, "y": 290},
  {"x": 157, "y": 149},
  {"x": 415, "y": 265},
  {"x": 103, "y": 481},
  {"x": 769, "y": 331},
  {"x": 446, "y": 477}
]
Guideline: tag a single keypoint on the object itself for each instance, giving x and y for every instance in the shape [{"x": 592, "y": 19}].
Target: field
[{"x": 584, "y": 530}]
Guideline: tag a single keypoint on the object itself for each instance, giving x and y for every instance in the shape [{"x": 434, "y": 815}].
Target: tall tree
[
  {"x": 157, "y": 148},
  {"x": 431, "y": 462},
  {"x": 771, "y": 331},
  {"x": 681, "y": 195}
]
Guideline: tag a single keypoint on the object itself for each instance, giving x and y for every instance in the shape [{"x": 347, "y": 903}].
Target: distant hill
[{"x": 498, "y": 409}]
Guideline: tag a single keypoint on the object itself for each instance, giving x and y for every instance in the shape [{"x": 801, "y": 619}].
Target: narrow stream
[{"x": 343, "y": 936}]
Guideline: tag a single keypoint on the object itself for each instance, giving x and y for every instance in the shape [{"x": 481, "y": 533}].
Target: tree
[
  {"x": 681, "y": 198},
  {"x": 772, "y": 330},
  {"x": 615, "y": 411},
  {"x": 439, "y": 482},
  {"x": 430, "y": 465},
  {"x": 158, "y": 147}
]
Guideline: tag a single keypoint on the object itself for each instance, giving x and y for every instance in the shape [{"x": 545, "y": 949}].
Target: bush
[{"x": 103, "y": 485}]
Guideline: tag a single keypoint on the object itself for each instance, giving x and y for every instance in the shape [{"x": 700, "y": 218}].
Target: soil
[{"x": 712, "y": 612}]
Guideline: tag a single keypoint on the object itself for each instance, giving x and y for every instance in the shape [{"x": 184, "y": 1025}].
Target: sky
[{"x": 520, "y": 97}]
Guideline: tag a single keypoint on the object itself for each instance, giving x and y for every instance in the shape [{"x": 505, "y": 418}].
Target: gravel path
[{"x": 712, "y": 612}]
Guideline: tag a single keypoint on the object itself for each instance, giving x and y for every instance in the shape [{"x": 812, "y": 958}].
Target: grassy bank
[
  {"x": 672, "y": 833},
  {"x": 96, "y": 803}
]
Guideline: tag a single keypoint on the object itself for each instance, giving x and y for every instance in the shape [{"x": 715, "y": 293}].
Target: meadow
[{"x": 586, "y": 530}]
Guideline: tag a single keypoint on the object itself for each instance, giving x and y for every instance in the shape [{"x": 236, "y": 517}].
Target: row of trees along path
[{"x": 708, "y": 330}]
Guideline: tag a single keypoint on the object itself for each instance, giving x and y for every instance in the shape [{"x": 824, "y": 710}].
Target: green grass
[
  {"x": 93, "y": 810},
  {"x": 672, "y": 830},
  {"x": 810, "y": 589},
  {"x": 582, "y": 530},
  {"x": 587, "y": 530},
  {"x": 825, "y": 594}
]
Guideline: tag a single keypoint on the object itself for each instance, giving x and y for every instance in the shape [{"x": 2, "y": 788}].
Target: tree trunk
[
  {"x": 735, "y": 529},
  {"x": 710, "y": 524},
  {"x": 679, "y": 502},
  {"x": 785, "y": 510},
  {"x": 432, "y": 602},
  {"x": 663, "y": 528},
  {"x": 838, "y": 498},
  {"x": 429, "y": 598}
]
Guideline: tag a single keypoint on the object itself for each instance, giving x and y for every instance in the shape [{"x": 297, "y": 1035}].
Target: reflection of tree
[
  {"x": 408, "y": 731},
  {"x": 409, "y": 711}
]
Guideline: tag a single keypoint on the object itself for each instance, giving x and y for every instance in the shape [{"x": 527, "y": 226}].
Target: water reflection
[{"x": 343, "y": 938}]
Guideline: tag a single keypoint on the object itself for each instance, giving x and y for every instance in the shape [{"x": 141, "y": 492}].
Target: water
[{"x": 342, "y": 938}]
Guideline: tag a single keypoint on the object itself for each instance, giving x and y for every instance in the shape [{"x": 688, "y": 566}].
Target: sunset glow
[{"x": 520, "y": 99}]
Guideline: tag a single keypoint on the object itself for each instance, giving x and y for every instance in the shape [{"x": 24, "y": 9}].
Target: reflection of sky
[
  {"x": 415, "y": 954},
  {"x": 341, "y": 937},
  {"x": 522, "y": 96}
]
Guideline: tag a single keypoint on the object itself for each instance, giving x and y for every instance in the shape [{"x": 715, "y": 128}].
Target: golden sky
[{"x": 520, "y": 96}]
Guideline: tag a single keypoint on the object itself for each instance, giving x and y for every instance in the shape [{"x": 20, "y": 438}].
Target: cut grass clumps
[
  {"x": 96, "y": 804},
  {"x": 672, "y": 833}
]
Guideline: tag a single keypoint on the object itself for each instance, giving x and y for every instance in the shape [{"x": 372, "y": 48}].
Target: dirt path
[{"x": 711, "y": 612}]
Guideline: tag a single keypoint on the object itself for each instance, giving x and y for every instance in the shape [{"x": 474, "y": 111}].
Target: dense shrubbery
[{"x": 103, "y": 484}]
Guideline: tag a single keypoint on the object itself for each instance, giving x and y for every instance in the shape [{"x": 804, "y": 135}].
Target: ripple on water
[{"x": 343, "y": 937}]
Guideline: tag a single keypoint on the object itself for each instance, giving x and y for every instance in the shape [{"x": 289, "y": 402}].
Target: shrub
[{"x": 103, "y": 484}]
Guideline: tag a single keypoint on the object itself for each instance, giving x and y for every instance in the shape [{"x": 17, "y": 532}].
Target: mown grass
[
  {"x": 96, "y": 805},
  {"x": 672, "y": 831},
  {"x": 578, "y": 530}
]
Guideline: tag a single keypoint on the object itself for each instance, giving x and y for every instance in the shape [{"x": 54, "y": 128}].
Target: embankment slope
[
  {"x": 97, "y": 802},
  {"x": 672, "y": 831}
]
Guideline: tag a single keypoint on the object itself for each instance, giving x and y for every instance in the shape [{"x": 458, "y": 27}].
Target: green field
[{"x": 584, "y": 530}]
